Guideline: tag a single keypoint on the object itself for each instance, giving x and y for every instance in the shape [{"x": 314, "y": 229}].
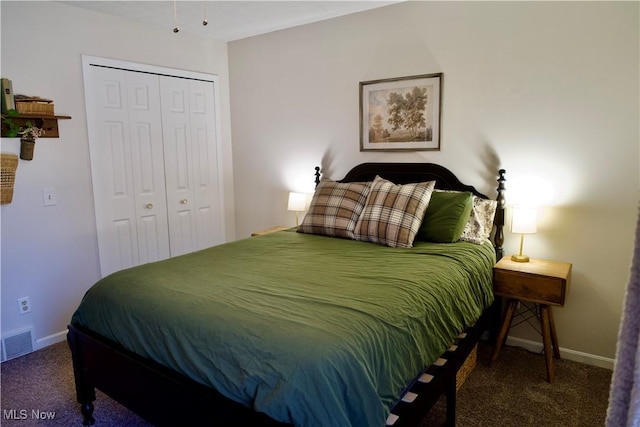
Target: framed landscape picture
[{"x": 401, "y": 114}]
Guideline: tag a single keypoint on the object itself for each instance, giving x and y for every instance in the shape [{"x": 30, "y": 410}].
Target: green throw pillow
[{"x": 445, "y": 217}]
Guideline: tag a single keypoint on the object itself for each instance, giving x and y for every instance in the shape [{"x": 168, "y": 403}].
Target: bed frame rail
[{"x": 440, "y": 378}]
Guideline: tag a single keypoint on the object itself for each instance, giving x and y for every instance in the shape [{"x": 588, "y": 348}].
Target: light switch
[{"x": 49, "y": 196}]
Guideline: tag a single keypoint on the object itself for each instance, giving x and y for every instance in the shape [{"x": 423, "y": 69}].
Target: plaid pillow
[
  {"x": 335, "y": 208},
  {"x": 393, "y": 213}
]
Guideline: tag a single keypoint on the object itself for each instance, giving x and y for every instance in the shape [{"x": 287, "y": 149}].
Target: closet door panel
[
  {"x": 206, "y": 184},
  {"x": 124, "y": 233},
  {"x": 183, "y": 233},
  {"x": 148, "y": 166},
  {"x": 178, "y": 156},
  {"x": 114, "y": 193},
  {"x": 127, "y": 168},
  {"x": 120, "y": 229}
]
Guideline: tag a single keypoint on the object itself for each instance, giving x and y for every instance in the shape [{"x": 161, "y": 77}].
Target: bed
[{"x": 307, "y": 328}]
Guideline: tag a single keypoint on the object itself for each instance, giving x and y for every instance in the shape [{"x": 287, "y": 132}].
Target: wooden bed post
[
  {"x": 451, "y": 395},
  {"x": 85, "y": 391},
  {"x": 499, "y": 218},
  {"x": 317, "y": 181}
]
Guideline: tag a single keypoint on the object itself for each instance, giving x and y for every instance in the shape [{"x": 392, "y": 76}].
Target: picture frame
[{"x": 401, "y": 114}]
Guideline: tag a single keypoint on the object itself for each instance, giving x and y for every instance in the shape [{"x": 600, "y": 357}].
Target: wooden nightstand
[
  {"x": 542, "y": 282},
  {"x": 269, "y": 230}
]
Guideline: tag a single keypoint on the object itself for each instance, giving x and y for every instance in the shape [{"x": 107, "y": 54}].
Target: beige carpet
[{"x": 512, "y": 392}]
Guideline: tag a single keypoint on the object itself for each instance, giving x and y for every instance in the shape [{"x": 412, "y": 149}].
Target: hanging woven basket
[{"x": 8, "y": 166}]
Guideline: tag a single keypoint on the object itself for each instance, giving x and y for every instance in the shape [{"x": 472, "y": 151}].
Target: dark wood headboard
[{"x": 405, "y": 173}]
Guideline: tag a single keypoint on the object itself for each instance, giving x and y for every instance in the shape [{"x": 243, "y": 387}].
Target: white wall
[
  {"x": 548, "y": 89},
  {"x": 50, "y": 253}
]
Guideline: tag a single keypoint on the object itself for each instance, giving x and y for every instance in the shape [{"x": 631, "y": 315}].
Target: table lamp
[
  {"x": 523, "y": 221},
  {"x": 297, "y": 203}
]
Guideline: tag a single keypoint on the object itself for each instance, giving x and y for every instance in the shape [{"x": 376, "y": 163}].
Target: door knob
[
  {"x": 149, "y": 206},
  {"x": 183, "y": 201}
]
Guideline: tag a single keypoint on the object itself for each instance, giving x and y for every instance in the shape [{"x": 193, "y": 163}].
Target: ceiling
[{"x": 228, "y": 20}]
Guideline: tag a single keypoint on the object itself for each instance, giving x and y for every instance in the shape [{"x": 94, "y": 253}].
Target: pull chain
[
  {"x": 176, "y": 29},
  {"x": 175, "y": 17},
  {"x": 205, "y": 22}
]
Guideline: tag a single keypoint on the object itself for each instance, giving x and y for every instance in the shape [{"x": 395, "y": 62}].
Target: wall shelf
[{"x": 48, "y": 123}]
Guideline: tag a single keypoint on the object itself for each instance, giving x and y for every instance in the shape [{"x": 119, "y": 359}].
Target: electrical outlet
[{"x": 24, "y": 305}]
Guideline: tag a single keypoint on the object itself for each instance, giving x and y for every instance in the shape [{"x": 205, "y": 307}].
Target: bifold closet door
[
  {"x": 190, "y": 164},
  {"x": 127, "y": 163}
]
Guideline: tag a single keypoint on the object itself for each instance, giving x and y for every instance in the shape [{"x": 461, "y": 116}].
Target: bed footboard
[
  {"x": 163, "y": 397},
  {"x": 157, "y": 394}
]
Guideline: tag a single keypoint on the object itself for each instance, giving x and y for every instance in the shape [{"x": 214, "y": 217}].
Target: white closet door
[
  {"x": 206, "y": 185},
  {"x": 127, "y": 168},
  {"x": 188, "y": 121},
  {"x": 148, "y": 166}
]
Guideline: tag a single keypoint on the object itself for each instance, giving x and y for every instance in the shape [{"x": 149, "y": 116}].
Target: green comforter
[{"x": 311, "y": 330}]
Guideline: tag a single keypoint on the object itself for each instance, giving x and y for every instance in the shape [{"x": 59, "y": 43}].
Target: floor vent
[{"x": 17, "y": 344}]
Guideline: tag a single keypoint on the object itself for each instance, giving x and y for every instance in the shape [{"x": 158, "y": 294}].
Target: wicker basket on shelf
[
  {"x": 8, "y": 166},
  {"x": 34, "y": 105}
]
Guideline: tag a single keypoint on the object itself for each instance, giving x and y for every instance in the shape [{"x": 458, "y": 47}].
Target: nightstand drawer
[{"x": 540, "y": 289}]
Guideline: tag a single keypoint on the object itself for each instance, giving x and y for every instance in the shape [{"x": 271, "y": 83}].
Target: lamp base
[{"x": 520, "y": 258}]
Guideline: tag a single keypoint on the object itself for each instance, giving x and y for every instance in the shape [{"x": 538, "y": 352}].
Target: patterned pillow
[
  {"x": 480, "y": 224},
  {"x": 335, "y": 208},
  {"x": 393, "y": 213}
]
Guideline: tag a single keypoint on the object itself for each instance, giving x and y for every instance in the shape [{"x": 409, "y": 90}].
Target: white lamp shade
[
  {"x": 524, "y": 220},
  {"x": 297, "y": 202}
]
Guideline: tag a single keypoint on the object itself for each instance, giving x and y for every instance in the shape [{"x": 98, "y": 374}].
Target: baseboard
[
  {"x": 576, "y": 356},
  {"x": 49, "y": 340}
]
